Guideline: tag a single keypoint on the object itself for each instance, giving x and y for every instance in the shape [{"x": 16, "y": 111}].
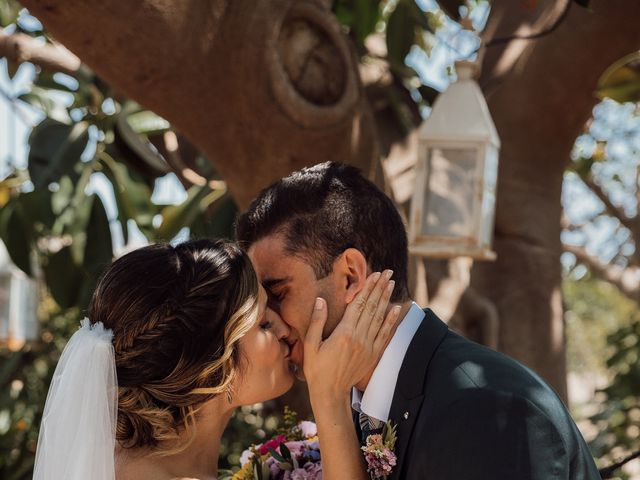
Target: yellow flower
[{"x": 245, "y": 473}]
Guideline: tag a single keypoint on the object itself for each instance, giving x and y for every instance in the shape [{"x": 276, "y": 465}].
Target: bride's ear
[{"x": 353, "y": 266}]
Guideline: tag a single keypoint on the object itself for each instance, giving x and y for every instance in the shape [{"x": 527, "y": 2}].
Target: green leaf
[
  {"x": 365, "y": 18},
  {"x": 623, "y": 92},
  {"x": 39, "y": 98},
  {"x": 132, "y": 194},
  {"x": 621, "y": 81},
  {"x": 46, "y": 81},
  {"x": 17, "y": 235},
  {"x": 276, "y": 455},
  {"x": 451, "y": 8},
  {"x": 78, "y": 229},
  {"x": 130, "y": 130},
  {"x": 99, "y": 246},
  {"x": 428, "y": 94},
  {"x": 61, "y": 198},
  {"x": 582, "y": 166},
  {"x": 64, "y": 279},
  {"x": 55, "y": 150},
  {"x": 176, "y": 217},
  {"x": 37, "y": 208},
  {"x": 146, "y": 122},
  {"x": 286, "y": 454},
  {"x": 9, "y": 11},
  {"x": 419, "y": 16},
  {"x": 400, "y": 32},
  {"x": 70, "y": 203}
]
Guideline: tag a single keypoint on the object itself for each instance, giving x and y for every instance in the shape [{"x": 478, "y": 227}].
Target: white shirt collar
[{"x": 376, "y": 400}]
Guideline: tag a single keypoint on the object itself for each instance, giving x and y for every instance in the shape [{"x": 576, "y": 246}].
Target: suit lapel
[{"x": 409, "y": 393}]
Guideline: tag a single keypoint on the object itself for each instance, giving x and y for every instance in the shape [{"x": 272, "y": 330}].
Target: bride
[{"x": 176, "y": 339}]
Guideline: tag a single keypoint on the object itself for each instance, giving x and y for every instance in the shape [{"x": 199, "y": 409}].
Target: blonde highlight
[{"x": 176, "y": 335}]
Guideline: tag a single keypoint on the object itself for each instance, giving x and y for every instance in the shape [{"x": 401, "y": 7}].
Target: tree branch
[
  {"x": 21, "y": 48},
  {"x": 607, "y": 472},
  {"x": 614, "y": 210},
  {"x": 625, "y": 279}
]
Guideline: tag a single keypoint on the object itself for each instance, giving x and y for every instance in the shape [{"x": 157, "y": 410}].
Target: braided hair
[{"x": 177, "y": 315}]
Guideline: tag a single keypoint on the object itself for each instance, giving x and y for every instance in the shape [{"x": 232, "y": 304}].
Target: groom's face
[{"x": 292, "y": 288}]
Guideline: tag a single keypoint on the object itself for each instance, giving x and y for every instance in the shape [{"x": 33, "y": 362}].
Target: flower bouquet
[{"x": 294, "y": 454}]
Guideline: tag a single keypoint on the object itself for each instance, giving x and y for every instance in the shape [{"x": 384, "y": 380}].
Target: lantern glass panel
[
  {"x": 5, "y": 293},
  {"x": 450, "y": 192},
  {"x": 489, "y": 194},
  {"x": 24, "y": 301}
]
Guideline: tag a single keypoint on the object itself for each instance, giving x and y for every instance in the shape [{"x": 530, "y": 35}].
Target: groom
[{"x": 463, "y": 411}]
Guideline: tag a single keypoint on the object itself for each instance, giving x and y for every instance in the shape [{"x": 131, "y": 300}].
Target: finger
[
  {"x": 379, "y": 315},
  {"x": 387, "y": 329},
  {"x": 313, "y": 338},
  {"x": 354, "y": 309},
  {"x": 371, "y": 305}
]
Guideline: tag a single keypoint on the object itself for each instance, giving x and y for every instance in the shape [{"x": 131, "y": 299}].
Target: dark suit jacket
[{"x": 466, "y": 412}]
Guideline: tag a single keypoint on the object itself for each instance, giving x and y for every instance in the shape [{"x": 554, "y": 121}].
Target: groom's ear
[{"x": 352, "y": 267}]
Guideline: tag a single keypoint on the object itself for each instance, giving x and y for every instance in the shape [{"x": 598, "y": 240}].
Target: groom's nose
[{"x": 280, "y": 329}]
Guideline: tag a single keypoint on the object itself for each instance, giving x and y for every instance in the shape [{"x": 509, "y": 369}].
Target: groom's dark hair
[{"x": 322, "y": 211}]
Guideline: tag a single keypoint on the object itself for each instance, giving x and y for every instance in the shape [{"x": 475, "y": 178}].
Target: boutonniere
[{"x": 379, "y": 452}]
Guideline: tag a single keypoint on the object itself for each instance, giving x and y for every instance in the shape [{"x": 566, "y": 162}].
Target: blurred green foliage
[{"x": 603, "y": 328}]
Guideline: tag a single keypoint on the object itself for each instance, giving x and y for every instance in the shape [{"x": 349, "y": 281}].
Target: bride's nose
[{"x": 279, "y": 328}]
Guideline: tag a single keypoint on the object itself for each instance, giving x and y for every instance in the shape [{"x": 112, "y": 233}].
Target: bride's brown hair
[{"x": 177, "y": 315}]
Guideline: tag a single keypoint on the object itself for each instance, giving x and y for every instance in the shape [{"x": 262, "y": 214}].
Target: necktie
[{"x": 369, "y": 426}]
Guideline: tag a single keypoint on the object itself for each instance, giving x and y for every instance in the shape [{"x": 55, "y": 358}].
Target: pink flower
[
  {"x": 380, "y": 459},
  {"x": 380, "y": 463},
  {"x": 296, "y": 447},
  {"x": 273, "y": 443}
]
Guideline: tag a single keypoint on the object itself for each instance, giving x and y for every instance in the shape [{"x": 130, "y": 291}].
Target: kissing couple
[{"x": 178, "y": 337}]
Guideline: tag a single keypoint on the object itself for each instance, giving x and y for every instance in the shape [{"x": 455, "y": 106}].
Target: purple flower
[
  {"x": 311, "y": 471},
  {"x": 311, "y": 454}
]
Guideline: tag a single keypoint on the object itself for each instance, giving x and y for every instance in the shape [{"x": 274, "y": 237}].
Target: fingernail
[
  {"x": 387, "y": 274},
  {"x": 396, "y": 310},
  {"x": 319, "y": 304},
  {"x": 391, "y": 285},
  {"x": 376, "y": 276}
]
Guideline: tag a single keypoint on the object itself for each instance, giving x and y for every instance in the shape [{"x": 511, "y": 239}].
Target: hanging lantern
[
  {"x": 453, "y": 205},
  {"x": 18, "y": 305}
]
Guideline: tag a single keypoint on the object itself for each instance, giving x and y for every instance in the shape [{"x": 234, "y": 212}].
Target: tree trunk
[
  {"x": 262, "y": 87},
  {"x": 265, "y": 87},
  {"x": 540, "y": 94}
]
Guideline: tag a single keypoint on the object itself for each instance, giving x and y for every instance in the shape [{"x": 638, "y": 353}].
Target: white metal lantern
[
  {"x": 453, "y": 205},
  {"x": 18, "y": 304}
]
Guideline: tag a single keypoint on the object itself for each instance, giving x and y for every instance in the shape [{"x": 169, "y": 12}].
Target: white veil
[{"x": 77, "y": 434}]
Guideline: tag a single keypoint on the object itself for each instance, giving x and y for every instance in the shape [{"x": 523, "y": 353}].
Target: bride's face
[{"x": 266, "y": 372}]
